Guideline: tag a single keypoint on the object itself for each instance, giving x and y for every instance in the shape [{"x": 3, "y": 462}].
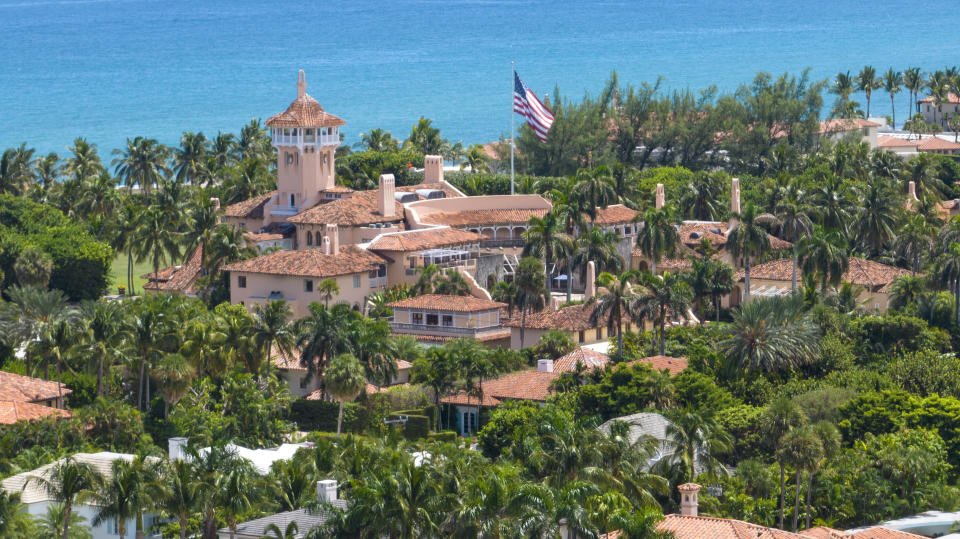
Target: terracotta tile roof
[
  {"x": 658, "y": 363},
  {"x": 447, "y": 189},
  {"x": 591, "y": 359},
  {"x": 180, "y": 278},
  {"x": 289, "y": 362},
  {"x": 11, "y": 412},
  {"x": 614, "y": 215},
  {"x": 886, "y": 141},
  {"x": 419, "y": 240},
  {"x": 874, "y": 532},
  {"x": 485, "y": 336},
  {"x": 310, "y": 263},
  {"x": 951, "y": 98},
  {"x": 523, "y": 385},
  {"x": 685, "y": 527},
  {"x": 360, "y": 209},
  {"x": 837, "y": 125},
  {"x": 692, "y": 232},
  {"x": 403, "y": 364},
  {"x": 860, "y": 272},
  {"x": 305, "y": 111},
  {"x": 471, "y": 218},
  {"x": 930, "y": 144},
  {"x": 17, "y": 388},
  {"x": 252, "y": 207},
  {"x": 338, "y": 189},
  {"x": 572, "y": 318},
  {"x": 440, "y": 302},
  {"x": 265, "y": 236}
]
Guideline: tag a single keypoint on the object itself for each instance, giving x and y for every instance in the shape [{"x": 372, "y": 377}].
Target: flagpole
[{"x": 513, "y": 78}]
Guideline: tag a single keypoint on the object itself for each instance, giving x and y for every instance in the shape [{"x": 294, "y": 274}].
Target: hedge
[
  {"x": 322, "y": 415},
  {"x": 416, "y": 427},
  {"x": 81, "y": 264}
]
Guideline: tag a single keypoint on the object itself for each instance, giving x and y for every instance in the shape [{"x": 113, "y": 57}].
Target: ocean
[{"x": 112, "y": 69}]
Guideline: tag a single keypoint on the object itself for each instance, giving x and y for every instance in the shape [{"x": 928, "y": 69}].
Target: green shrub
[
  {"x": 322, "y": 415},
  {"x": 417, "y": 427},
  {"x": 446, "y": 436}
]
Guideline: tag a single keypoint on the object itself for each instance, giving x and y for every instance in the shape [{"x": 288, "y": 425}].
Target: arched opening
[
  {"x": 309, "y": 238},
  {"x": 643, "y": 266},
  {"x": 491, "y": 281}
]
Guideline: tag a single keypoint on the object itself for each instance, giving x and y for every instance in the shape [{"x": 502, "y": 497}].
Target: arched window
[
  {"x": 292, "y": 200},
  {"x": 309, "y": 238}
]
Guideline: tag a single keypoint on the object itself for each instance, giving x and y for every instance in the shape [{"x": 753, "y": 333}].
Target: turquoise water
[{"x": 112, "y": 69}]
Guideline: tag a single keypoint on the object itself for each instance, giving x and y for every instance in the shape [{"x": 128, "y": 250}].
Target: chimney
[
  {"x": 388, "y": 203},
  {"x": 554, "y": 303},
  {"x": 326, "y": 245},
  {"x": 688, "y": 499},
  {"x": 216, "y": 203},
  {"x": 334, "y": 235},
  {"x": 545, "y": 365},
  {"x": 301, "y": 84},
  {"x": 590, "y": 286},
  {"x": 327, "y": 491},
  {"x": 432, "y": 169},
  {"x": 661, "y": 197},
  {"x": 176, "y": 449},
  {"x": 735, "y": 195},
  {"x": 912, "y": 191}
]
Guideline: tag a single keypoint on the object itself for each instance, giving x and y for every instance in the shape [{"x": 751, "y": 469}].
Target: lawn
[{"x": 118, "y": 273}]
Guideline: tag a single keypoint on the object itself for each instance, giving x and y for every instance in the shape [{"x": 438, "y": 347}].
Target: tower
[
  {"x": 688, "y": 499},
  {"x": 305, "y": 137}
]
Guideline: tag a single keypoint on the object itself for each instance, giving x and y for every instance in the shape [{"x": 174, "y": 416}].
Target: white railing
[{"x": 298, "y": 138}]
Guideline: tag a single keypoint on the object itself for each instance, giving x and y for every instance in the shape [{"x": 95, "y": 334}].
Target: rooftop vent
[
  {"x": 405, "y": 196},
  {"x": 695, "y": 235},
  {"x": 430, "y": 194},
  {"x": 716, "y": 231}
]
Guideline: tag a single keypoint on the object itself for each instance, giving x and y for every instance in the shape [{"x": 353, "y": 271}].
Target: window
[
  {"x": 303, "y": 382},
  {"x": 309, "y": 238},
  {"x": 308, "y": 285},
  {"x": 356, "y": 281},
  {"x": 580, "y": 337},
  {"x": 447, "y": 321},
  {"x": 242, "y": 281},
  {"x": 432, "y": 320},
  {"x": 599, "y": 333},
  {"x": 291, "y": 200},
  {"x": 417, "y": 318}
]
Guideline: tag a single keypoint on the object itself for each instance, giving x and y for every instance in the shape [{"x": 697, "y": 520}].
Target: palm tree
[
  {"x": 876, "y": 218},
  {"x": 29, "y": 313},
  {"x": 867, "y": 82},
  {"x": 937, "y": 84},
  {"x": 914, "y": 241},
  {"x": 157, "y": 238},
  {"x": 892, "y": 81},
  {"x": 148, "y": 329},
  {"x": 795, "y": 224},
  {"x": 923, "y": 170},
  {"x": 324, "y": 334},
  {"x": 545, "y": 239},
  {"x": 328, "y": 289},
  {"x": 233, "y": 495},
  {"x": 599, "y": 246},
  {"x": 532, "y": 292},
  {"x": 424, "y": 138},
  {"x": 56, "y": 341},
  {"x": 183, "y": 492},
  {"x": 476, "y": 159},
  {"x": 569, "y": 210},
  {"x": 47, "y": 169},
  {"x": 615, "y": 303},
  {"x": 825, "y": 254},
  {"x": 174, "y": 375},
  {"x": 344, "y": 380},
  {"x": 372, "y": 347},
  {"x": 700, "y": 200},
  {"x": 103, "y": 324},
  {"x": 53, "y": 524},
  {"x": 658, "y": 237},
  {"x": 290, "y": 532},
  {"x": 907, "y": 290},
  {"x": 143, "y": 163},
  {"x": 595, "y": 189},
  {"x": 802, "y": 449},
  {"x": 131, "y": 489},
  {"x": 747, "y": 239},
  {"x": 15, "y": 170},
  {"x": 377, "y": 140},
  {"x": 950, "y": 275},
  {"x": 223, "y": 150},
  {"x": 721, "y": 284},
  {"x": 668, "y": 297},
  {"x": 842, "y": 86},
  {"x": 781, "y": 416},
  {"x": 273, "y": 329},
  {"x": 829, "y": 439},
  {"x": 438, "y": 371},
  {"x": 227, "y": 244},
  {"x": 14, "y": 519},
  {"x": 190, "y": 159},
  {"x": 33, "y": 267},
  {"x": 913, "y": 82},
  {"x": 69, "y": 483},
  {"x": 771, "y": 334},
  {"x": 696, "y": 437}
]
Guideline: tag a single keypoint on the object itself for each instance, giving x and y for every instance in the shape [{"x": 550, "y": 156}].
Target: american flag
[{"x": 525, "y": 102}]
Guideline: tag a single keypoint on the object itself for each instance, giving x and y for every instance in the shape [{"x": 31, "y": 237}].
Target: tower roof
[{"x": 305, "y": 111}]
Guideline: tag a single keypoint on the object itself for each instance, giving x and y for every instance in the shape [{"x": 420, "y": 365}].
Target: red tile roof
[
  {"x": 180, "y": 278},
  {"x": 686, "y": 527},
  {"x": 658, "y": 363},
  {"x": 837, "y": 125},
  {"x": 874, "y": 532},
  {"x": 419, "y": 240},
  {"x": 572, "y": 318},
  {"x": 951, "y": 98},
  {"x": 440, "y": 302},
  {"x": 591, "y": 359},
  {"x": 472, "y": 218},
  {"x": 360, "y": 209},
  {"x": 266, "y": 236},
  {"x": 886, "y": 141},
  {"x": 523, "y": 385},
  {"x": 305, "y": 111},
  {"x": 252, "y": 207},
  {"x": 860, "y": 272},
  {"x": 310, "y": 263},
  {"x": 11, "y": 412},
  {"x": 692, "y": 232},
  {"x": 931, "y": 144},
  {"x": 614, "y": 215},
  {"x": 17, "y": 388}
]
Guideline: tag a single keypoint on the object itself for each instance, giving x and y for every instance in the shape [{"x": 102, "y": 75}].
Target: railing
[
  {"x": 278, "y": 209},
  {"x": 439, "y": 328},
  {"x": 376, "y": 282},
  {"x": 502, "y": 243},
  {"x": 300, "y": 140}
]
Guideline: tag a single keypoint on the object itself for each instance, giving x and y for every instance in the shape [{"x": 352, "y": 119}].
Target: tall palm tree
[
  {"x": 796, "y": 224},
  {"x": 892, "y": 82},
  {"x": 781, "y": 416},
  {"x": 937, "y": 84},
  {"x": 923, "y": 170},
  {"x": 613, "y": 303},
  {"x": 143, "y": 162},
  {"x": 438, "y": 371},
  {"x": 842, "y": 86},
  {"x": 14, "y": 519},
  {"x": 914, "y": 241},
  {"x": 658, "y": 237},
  {"x": 190, "y": 159},
  {"x": 15, "y": 169},
  {"x": 829, "y": 439},
  {"x": 54, "y": 523},
  {"x": 568, "y": 209},
  {"x": 700, "y": 200},
  {"x": 377, "y": 140},
  {"x": 69, "y": 483},
  {"x": 323, "y": 334},
  {"x": 696, "y": 437},
  {"x": 56, "y": 342},
  {"x": 234, "y": 496},
  {"x": 599, "y": 246},
  {"x": 876, "y": 219},
  {"x": 545, "y": 239},
  {"x": 825, "y": 254},
  {"x": 328, "y": 289},
  {"x": 532, "y": 293},
  {"x": 131, "y": 489},
  {"x": 802, "y": 449},
  {"x": 476, "y": 159},
  {"x": 184, "y": 493},
  {"x": 157, "y": 238},
  {"x": 149, "y": 328},
  {"x": 105, "y": 331},
  {"x": 174, "y": 376},
  {"x": 747, "y": 239},
  {"x": 721, "y": 284},
  {"x": 227, "y": 244},
  {"x": 84, "y": 161},
  {"x": 595, "y": 189},
  {"x": 344, "y": 380},
  {"x": 223, "y": 150},
  {"x": 371, "y": 345},
  {"x": 950, "y": 275},
  {"x": 771, "y": 334},
  {"x": 273, "y": 329},
  {"x": 867, "y": 82},
  {"x": 29, "y": 313},
  {"x": 913, "y": 82},
  {"x": 48, "y": 169},
  {"x": 668, "y": 297},
  {"x": 424, "y": 138}
]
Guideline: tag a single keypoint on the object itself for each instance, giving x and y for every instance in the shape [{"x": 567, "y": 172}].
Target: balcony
[
  {"x": 283, "y": 210},
  {"x": 378, "y": 282},
  {"x": 306, "y": 137},
  {"x": 438, "y": 329},
  {"x": 490, "y": 244}
]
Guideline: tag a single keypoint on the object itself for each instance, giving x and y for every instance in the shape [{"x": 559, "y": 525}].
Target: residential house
[
  {"x": 838, "y": 128},
  {"x": 872, "y": 532},
  {"x": 575, "y": 320},
  {"x": 26, "y": 389},
  {"x": 305, "y": 519},
  {"x": 939, "y": 114},
  {"x": 290, "y": 370},
  {"x": 435, "y": 318},
  {"x": 37, "y": 500},
  {"x": 909, "y": 146},
  {"x": 13, "y": 411},
  {"x": 774, "y": 278}
]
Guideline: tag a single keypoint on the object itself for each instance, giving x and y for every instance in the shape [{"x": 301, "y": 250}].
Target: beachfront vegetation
[{"x": 830, "y": 413}]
